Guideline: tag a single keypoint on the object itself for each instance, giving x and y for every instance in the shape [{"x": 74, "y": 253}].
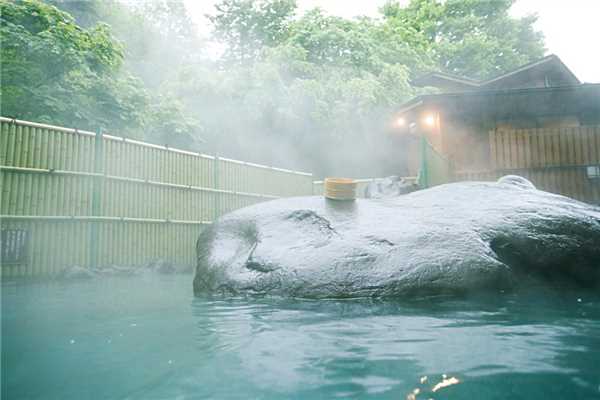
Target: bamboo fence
[{"x": 86, "y": 198}]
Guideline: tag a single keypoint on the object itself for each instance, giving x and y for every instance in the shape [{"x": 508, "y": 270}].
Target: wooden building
[{"x": 537, "y": 121}]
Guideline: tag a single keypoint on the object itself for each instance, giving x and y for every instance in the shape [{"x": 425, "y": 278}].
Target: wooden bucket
[{"x": 340, "y": 189}]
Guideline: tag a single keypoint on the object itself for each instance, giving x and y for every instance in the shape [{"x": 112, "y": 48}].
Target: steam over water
[{"x": 149, "y": 338}]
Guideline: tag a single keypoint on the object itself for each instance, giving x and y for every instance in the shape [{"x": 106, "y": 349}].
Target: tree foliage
[
  {"x": 474, "y": 38},
  {"x": 328, "y": 82},
  {"x": 248, "y": 26},
  {"x": 54, "y": 70},
  {"x": 310, "y": 91}
]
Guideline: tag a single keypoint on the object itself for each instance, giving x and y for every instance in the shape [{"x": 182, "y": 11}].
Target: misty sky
[{"x": 571, "y": 27}]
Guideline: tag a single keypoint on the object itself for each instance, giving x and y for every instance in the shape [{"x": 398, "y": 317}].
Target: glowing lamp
[
  {"x": 429, "y": 120},
  {"x": 400, "y": 122}
]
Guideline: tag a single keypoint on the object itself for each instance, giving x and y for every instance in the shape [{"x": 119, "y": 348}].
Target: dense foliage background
[{"x": 309, "y": 91}]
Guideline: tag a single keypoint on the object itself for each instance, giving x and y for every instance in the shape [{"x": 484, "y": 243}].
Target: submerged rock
[
  {"x": 157, "y": 266},
  {"x": 449, "y": 239},
  {"x": 166, "y": 267},
  {"x": 76, "y": 272}
]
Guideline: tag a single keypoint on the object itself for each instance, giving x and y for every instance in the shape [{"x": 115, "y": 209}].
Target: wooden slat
[
  {"x": 501, "y": 149},
  {"x": 591, "y": 145},
  {"x": 554, "y": 159}
]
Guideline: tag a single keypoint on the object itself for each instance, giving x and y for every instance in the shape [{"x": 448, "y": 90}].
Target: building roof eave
[
  {"x": 429, "y": 78},
  {"x": 424, "y": 80},
  {"x": 411, "y": 104},
  {"x": 497, "y": 93},
  {"x": 545, "y": 60}
]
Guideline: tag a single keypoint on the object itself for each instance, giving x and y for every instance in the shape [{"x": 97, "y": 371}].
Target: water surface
[{"x": 148, "y": 338}]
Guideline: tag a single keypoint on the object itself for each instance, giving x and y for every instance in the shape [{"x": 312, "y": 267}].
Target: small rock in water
[
  {"x": 76, "y": 272},
  {"x": 119, "y": 270},
  {"x": 72, "y": 341},
  {"x": 579, "y": 300},
  {"x": 164, "y": 267}
]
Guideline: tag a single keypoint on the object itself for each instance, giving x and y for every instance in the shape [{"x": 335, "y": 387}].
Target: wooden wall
[
  {"x": 88, "y": 199},
  {"x": 555, "y": 160}
]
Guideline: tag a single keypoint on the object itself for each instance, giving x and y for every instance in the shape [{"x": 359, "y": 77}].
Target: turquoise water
[{"x": 149, "y": 338}]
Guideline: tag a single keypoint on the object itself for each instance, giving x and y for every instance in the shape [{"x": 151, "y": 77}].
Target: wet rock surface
[
  {"x": 391, "y": 186},
  {"x": 452, "y": 238}
]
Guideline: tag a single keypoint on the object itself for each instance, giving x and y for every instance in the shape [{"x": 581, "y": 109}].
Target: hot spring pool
[{"x": 148, "y": 338}]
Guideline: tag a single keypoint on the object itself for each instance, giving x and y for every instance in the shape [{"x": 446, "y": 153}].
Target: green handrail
[
  {"x": 423, "y": 171},
  {"x": 435, "y": 169}
]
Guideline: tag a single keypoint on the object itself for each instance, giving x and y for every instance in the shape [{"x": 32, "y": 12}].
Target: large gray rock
[{"x": 448, "y": 239}]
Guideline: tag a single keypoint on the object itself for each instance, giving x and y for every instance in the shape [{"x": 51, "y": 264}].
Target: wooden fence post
[
  {"x": 217, "y": 207},
  {"x": 96, "y": 197}
]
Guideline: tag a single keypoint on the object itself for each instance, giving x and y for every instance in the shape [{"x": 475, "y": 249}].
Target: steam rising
[{"x": 300, "y": 90}]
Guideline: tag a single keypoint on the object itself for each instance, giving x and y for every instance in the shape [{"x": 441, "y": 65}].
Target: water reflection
[
  {"x": 149, "y": 338},
  {"x": 361, "y": 348}
]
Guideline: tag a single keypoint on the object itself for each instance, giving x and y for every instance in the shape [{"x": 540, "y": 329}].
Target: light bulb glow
[{"x": 429, "y": 120}]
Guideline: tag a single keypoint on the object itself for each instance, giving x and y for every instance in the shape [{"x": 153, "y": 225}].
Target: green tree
[
  {"x": 474, "y": 38},
  {"x": 287, "y": 90},
  {"x": 162, "y": 39},
  {"x": 327, "y": 82},
  {"x": 158, "y": 35},
  {"x": 55, "y": 71},
  {"x": 87, "y": 13},
  {"x": 246, "y": 26}
]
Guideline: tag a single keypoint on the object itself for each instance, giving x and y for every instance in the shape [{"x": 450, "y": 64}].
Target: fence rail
[{"x": 90, "y": 198}]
